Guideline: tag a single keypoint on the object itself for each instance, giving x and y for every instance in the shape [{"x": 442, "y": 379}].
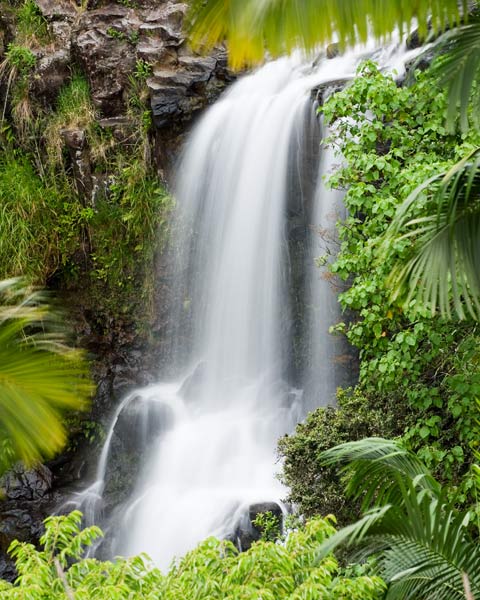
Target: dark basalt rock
[
  {"x": 333, "y": 50},
  {"x": 246, "y": 533},
  {"x": 32, "y": 484},
  {"x": 27, "y": 500}
]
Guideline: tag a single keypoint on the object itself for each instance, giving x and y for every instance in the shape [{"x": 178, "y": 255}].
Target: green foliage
[
  {"x": 419, "y": 374},
  {"x": 20, "y": 58},
  {"x": 421, "y": 541},
  {"x": 442, "y": 266},
  {"x": 38, "y": 221},
  {"x": 133, "y": 212},
  {"x": 314, "y": 487},
  {"x": 392, "y": 140},
  {"x": 15, "y": 68},
  {"x": 213, "y": 571},
  {"x": 459, "y": 70},
  {"x": 251, "y": 28},
  {"x": 31, "y": 26},
  {"x": 45, "y": 229},
  {"x": 49, "y": 227},
  {"x": 40, "y": 376},
  {"x": 269, "y": 525},
  {"x": 143, "y": 69},
  {"x": 132, "y": 37}
]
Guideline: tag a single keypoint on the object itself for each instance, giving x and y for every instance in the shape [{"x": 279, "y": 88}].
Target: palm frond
[
  {"x": 458, "y": 69},
  {"x": 253, "y": 27},
  {"x": 422, "y": 543},
  {"x": 40, "y": 376},
  {"x": 444, "y": 265},
  {"x": 379, "y": 470}
]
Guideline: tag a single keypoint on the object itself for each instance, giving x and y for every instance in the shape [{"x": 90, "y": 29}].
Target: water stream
[{"x": 253, "y": 213}]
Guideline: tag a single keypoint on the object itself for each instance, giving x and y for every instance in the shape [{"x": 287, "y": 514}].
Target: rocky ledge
[{"x": 108, "y": 42}]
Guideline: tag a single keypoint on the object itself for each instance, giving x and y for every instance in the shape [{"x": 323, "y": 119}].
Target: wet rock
[
  {"x": 333, "y": 50},
  {"x": 60, "y": 15},
  {"x": 106, "y": 57},
  {"x": 54, "y": 10},
  {"x": 325, "y": 90},
  {"x": 246, "y": 533},
  {"x": 76, "y": 142},
  {"x": 51, "y": 73},
  {"x": 32, "y": 484},
  {"x": 263, "y": 507},
  {"x": 141, "y": 423}
]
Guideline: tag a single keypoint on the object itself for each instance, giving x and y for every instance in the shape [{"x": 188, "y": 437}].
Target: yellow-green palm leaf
[
  {"x": 40, "y": 377},
  {"x": 253, "y": 27}
]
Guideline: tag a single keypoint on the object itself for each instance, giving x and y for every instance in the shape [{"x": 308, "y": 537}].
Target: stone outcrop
[{"x": 110, "y": 42}]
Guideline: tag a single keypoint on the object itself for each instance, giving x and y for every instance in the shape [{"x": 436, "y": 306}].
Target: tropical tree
[
  {"x": 40, "y": 376},
  {"x": 423, "y": 545},
  {"x": 445, "y": 258},
  {"x": 442, "y": 216}
]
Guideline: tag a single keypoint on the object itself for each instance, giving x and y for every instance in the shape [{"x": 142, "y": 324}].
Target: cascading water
[{"x": 249, "y": 195}]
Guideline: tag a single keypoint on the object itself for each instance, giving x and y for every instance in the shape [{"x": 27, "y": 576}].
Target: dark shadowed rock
[
  {"x": 28, "y": 484},
  {"x": 52, "y": 70},
  {"x": 246, "y": 533}
]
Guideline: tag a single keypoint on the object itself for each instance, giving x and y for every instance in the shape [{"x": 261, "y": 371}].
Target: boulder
[{"x": 246, "y": 533}]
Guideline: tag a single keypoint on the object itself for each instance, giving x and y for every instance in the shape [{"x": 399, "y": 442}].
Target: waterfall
[{"x": 250, "y": 304}]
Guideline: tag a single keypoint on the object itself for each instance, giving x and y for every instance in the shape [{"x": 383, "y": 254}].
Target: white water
[{"x": 217, "y": 455}]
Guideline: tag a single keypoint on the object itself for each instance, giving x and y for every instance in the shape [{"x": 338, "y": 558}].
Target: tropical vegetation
[
  {"x": 215, "y": 570},
  {"x": 423, "y": 544},
  {"x": 418, "y": 372},
  {"x": 409, "y": 251},
  {"x": 40, "y": 376},
  {"x": 253, "y": 28}
]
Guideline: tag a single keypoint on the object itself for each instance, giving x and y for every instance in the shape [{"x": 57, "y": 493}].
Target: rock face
[
  {"x": 26, "y": 494},
  {"x": 112, "y": 43}
]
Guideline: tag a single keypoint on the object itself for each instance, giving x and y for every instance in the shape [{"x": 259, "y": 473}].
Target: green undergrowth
[
  {"x": 215, "y": 570},
  {"x": 100, "y": 239},
  {"x": 82, "y": 208},
  {"x": 419, "y": 374}
]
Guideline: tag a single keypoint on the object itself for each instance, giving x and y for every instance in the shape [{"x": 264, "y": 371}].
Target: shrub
[{"x": 213, "y": 571}]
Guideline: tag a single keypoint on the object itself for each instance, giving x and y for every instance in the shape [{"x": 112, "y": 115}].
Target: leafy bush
[
  {"x": 315, "y": 488},
  {"x": 393, "y": 139},
  {"x": 213, "y": 571}
]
